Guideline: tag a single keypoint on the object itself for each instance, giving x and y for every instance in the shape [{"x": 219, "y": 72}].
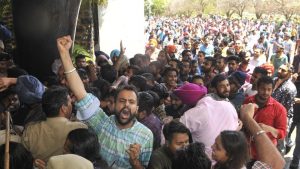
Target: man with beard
[
  {"x": 271, "y": 115},
  {"x": 285, "y": 92},
  {"x": 208, "y": 69},
  {"x": 208, "y": 118},
  {"x": 251, "y": 89},
  {"x": 125, "y": 143},
  {"x": 233, "y": 64}
]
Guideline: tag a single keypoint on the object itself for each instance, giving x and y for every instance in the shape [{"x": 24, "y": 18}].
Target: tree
[
  {"x": 225, "y": 6},
  {"x": 158, "y": 7},
  {"x": 259, "y": 7},
  {"x": 239, "y": 6},
  {"x": 288, "y": 8}
]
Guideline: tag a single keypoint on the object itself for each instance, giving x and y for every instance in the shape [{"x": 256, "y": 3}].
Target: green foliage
[
  {"x": 80, "y": 50},
  {"x": 3, "y": 5},
  {"x": 158, "y": 7}
]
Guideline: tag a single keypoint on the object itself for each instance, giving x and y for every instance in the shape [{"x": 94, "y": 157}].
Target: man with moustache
[
  {"x": 271, "y": 115},
  {"x": 212, "y": 114},
  {"x": 125, "y": 143},
  {"x": 285, "y": 92}
]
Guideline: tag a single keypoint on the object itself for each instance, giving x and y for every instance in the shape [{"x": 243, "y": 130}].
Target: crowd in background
[{"x": 207, "y": 93}]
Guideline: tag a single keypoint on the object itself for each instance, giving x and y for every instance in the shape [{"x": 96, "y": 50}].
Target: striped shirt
[{"x": 114, "y": 141}]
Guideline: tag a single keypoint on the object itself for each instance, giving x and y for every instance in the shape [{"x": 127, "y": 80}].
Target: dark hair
[
  {"x": 197, "y": 77},
  {"x": 82, "y": 73},
  {"x": 156, "y": 99},
  {"x": 175, "y": 127},
  {"x": 146, "y": 102},
  {"x": 212, "y": 60},
  {"x": 236, "y": 147},
  {"x": 157, "y": 64},
  {"x": 95, "y": 91},
  {"x": 233, "y": 57},
  {"x": 149, "y": 76},
  {"x": 128, "y": 88},
  {"x": 260, "y": 70},
  {"x": 139, "y": 81},
  {"x": 80, "y": 56},
  {"x": 15, "y": 72},
  {"x": 161, "y": 91},
  {"x": 84, "y": 142},
  {"x": 217, "y": 79},
  {"x": 169, "y": 69},
  {"x": 184, "y": 52},
  {"x": 135, "y": 69},
  {"x": 202, "y": 52},
  {"x": 52, "y": 100},
  {"x": 265, "y": 80},
  {"x": 103, "y": 86},
  {"x": 192, "y": 157},
  {"x": 19, "y": 157},
  {"x": 109, "y": 73}
]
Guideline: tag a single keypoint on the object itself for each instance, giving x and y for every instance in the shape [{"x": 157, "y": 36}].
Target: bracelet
[
  {"x": 70, "y": 71},
  {"x": 258, "y": 133}
]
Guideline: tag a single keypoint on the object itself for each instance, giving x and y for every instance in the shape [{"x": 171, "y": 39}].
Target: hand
[
  {"x": 134, "y": 152},
  {"x": 248, "y": 110},
  {"x": 240, "y": 126},
  {"x": 40, "y": 164},
  {"x": 122, "y": 49},
  {"x": 297, "y": 100},
  {"x": 5, "y": 82},
  {"x": 269, "y": 129},
  {"x": 64, "y": 44}
]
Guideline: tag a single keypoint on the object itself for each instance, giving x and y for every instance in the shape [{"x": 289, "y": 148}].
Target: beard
[
  {"x": 124, "y": 116},
  {"x": 223, "y": 95}
]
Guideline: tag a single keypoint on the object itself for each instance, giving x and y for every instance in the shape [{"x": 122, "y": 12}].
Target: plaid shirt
[
  {"x": 260, "y": 165},
  {"x": 113, "y": 141}
]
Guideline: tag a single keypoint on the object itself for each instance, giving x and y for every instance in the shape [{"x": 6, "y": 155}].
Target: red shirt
[{"x": 272, "y": 114}]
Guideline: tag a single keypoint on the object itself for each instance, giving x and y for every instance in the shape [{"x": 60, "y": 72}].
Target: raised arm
[
  {"x": 266, "y": 150},
  {"x": 64, "y": 44}
]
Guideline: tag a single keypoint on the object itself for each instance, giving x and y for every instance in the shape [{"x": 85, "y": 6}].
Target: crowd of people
[{"x": 207, "y": 93}]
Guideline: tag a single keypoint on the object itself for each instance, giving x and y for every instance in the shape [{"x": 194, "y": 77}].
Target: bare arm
[
  {"x": 64, "y": 44},
  {"x": 266, "y": 150}
]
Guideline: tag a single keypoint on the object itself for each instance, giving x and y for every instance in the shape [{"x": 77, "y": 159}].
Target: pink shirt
[{"x": 208, "y": 118}]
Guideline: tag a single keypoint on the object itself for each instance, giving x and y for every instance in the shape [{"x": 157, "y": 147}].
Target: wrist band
[
  {"x": 258, "y": 133},
  {"x": 70, "y": 71}
]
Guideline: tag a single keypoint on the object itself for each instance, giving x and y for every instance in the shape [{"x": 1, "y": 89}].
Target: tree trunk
[{"x": 258, "y": 15}]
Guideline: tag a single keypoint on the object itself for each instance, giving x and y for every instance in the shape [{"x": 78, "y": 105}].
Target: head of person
[
  {"x": 155, "y": 67},
  {"x": 209, "y": 64},
  {"x": 126, "y": 106},
  {"x": 83, "y": 142},
  {"x": 84, "y": 76},
  {"x": 149, "y": 79},
  {"x": 156, "y": 98},
  {"x": 132, "y": 70},
  {"x": 257, "y": 52},
  {"x": 142, "y": 60},
  {"x": 115, "y": 55},
  {"x": 186, "y": 55},
  {"x": 174, "y": 63},
  {"x": 230, "y": 149},
  {"x": 285, "y": 71},
  {"x": 107, "y": 102},
  {"x": 4, "y": 59},
  {"x": 280, "y": 49},
  {"x": 109, "y": 73},
  {"x": 194, "y": 66},
  {"x": 269, "y": 68},
  {"x": 201, "y": 57},
  {"x": 19, "y": 157},
  {"x": 163, "y": 57},
  {"x": 10, "y": 100},
  {"x": 80, "y": 61},
  {"x": 197, "y": 79},
  {"x": 258, "y": 72},
  {"x": 139, "y": 81},
  {"x": 177, "y": 136},
  {"x": 170, "y": 76},
  {"x": 162, "y": 92},
  {"x": 265, "y": 87},
  {"x": 176, "y": 102},
  {"x": 56, "y": 102},
  {"x": 236, "y": 81},
  {"x": 221, "y": 64},
  {"x": 220, "y": 85},
  {"x": 171, "y": 51},
  {"x": 185, "y": 67},
  {"x": 192, "y": 157},
  {"x": 146, "y": 105},
  {"x": 233, "y": 63},
  {"x": 101, "y": 58}
]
